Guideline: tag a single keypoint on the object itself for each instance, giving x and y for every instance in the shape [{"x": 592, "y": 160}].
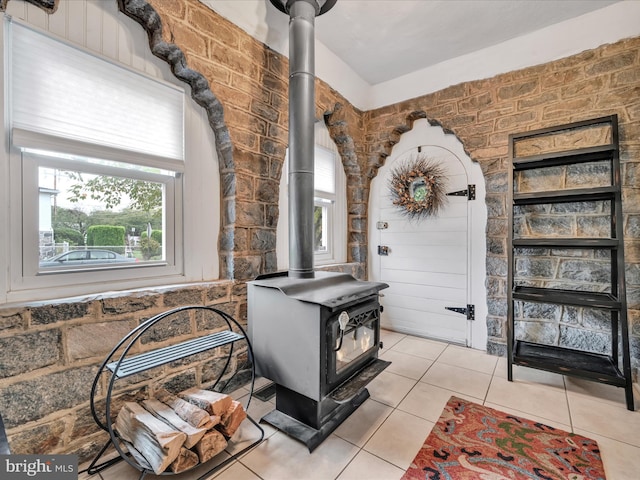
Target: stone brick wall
[{"x": 251, "y": 82}]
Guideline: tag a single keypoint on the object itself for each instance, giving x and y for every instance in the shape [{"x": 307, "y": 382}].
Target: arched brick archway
[
  {"x": 341, "y": 131},
  {"x": 148, "y": 18},
  {"x": 396, "y": 132}
]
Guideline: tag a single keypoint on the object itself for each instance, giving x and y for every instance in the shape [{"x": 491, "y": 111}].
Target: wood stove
[
  {"x": 316, "y": 335},
  {"x": 318, "y": 341}
]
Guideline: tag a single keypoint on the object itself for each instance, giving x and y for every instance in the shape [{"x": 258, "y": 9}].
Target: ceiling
[{"x": 384, "y": 39}]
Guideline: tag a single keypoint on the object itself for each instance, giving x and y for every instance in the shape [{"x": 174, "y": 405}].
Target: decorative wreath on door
[{"x": 417, "y": 187}]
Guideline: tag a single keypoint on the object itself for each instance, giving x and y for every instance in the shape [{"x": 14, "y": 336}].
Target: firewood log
[
  {"x": 190, "y": 413},
  {"x": 213, "y": 402},
  {"x": 166, "y": 413},
  {"x": 137, "y": 456},
  {"x": 186, "y": 460},
  {"x": 154, "y": 439},
  {"x": 213, "y": 421},
  {"x": 211, "y": 444},
  {"x": 232, "y": 419}
]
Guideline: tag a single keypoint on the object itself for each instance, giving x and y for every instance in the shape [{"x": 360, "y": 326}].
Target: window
[
  {"x": 324, "y": 203},
  {"x": 330, "y": 212},
  {"x": 97, "y": 177},
  {"x": 330, "y": 217},
  {"x": 102, "y": 210}
]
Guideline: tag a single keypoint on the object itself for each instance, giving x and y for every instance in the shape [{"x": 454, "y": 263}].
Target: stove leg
[{"x": 310, "y": 436}]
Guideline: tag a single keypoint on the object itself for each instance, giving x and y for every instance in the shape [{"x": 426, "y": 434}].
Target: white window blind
[
  {"x": 63, "y": 91},
  {"x": 325, "y": 171}
]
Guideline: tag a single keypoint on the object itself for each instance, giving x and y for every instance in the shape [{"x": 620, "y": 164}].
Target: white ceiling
[{"x": 385, "y": 39}]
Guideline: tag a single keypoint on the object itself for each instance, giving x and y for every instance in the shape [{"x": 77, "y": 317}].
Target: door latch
[{"x": 383, "y": 250}]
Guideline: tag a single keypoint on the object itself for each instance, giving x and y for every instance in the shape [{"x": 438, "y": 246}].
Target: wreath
[{"x": 418, "y": 188}]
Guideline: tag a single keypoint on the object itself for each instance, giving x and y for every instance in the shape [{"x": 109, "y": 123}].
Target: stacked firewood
[{"x": 178, "y": 432}]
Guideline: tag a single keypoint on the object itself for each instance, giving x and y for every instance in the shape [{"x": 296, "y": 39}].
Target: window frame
[
  {"x": 24, "y": 167},
  {"x": 327, "y": 201}
]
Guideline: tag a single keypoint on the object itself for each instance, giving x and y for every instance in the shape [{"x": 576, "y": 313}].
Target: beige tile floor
[{"x": 379, "y": 440}]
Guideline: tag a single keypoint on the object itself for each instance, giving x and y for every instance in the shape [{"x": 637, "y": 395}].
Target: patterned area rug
[{"x": 471, "y": 441}]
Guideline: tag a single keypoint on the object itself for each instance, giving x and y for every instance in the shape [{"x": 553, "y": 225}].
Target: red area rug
[{"x": 471, "y": 441}]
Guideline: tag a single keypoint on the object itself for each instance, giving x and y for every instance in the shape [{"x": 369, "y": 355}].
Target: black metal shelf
[
  {"x": 614, "y": 369},
  {"x": 155, "y": 358},
  {"x": 576, "y": 298},
  {"x": 565, "y": 196},
  {"x": 4, "y": 443},
  {"x": 577, "y": 243},
  {"x": 593, "y": 366},
  {"x": 607, "y": 119},
  {"x": 581, "y": 155}
]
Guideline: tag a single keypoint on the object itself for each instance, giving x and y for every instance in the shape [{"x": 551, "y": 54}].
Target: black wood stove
[
  {"x": 316, "y": 335},
  {"x": 317, "y": 340}
]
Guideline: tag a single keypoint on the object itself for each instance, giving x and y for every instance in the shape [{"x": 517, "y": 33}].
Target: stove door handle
[{"x": 343, "y": 320}]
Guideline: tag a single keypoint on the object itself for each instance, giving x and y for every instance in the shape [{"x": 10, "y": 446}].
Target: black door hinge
[
  {"x": 469, "y": 311},
  {"x": 470, "y": 193}
]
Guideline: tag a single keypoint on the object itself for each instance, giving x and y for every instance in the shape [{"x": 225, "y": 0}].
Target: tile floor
[{"x": 379, "y": 440}]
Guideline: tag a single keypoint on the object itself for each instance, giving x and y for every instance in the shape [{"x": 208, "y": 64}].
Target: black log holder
[{"x": 119, "y": 364}]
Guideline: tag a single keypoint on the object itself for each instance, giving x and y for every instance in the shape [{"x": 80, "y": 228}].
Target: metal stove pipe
[
  {"x": 302, "y": 15},
  {"x": 301, "y": 139}
]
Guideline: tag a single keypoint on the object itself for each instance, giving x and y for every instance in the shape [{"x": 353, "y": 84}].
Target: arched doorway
[{"x": 436, "y": 262}]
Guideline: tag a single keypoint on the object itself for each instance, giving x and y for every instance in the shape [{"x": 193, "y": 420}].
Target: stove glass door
[
  {"x": 353, "y": 339},
  {"x": 355, "y": 342}
]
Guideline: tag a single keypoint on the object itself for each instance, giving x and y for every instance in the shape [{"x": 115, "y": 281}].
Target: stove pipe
[{"x": 302, "y": 15}]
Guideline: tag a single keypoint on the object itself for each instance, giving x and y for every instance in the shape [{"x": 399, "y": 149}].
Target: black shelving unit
[{"x": 613, "y": 368}]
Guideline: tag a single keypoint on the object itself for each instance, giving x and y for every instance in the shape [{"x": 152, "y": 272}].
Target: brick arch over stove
[{"x": 347, "y": 135}]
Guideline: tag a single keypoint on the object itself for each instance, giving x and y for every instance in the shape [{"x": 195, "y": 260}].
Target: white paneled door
[{"x": 427, "y": 262}]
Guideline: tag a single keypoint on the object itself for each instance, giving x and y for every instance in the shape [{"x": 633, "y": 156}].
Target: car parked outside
[{"x": 85, "y": 257}]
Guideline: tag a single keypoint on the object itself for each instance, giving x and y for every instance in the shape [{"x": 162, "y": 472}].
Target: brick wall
[
  {"x": 251, "y": 82},
  {"x": 46, "y": 347}
]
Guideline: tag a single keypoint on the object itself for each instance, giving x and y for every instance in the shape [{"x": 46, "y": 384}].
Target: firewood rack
[
  {"x": 4, "y": 443},
  {"x": 120, "y": 364}
]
